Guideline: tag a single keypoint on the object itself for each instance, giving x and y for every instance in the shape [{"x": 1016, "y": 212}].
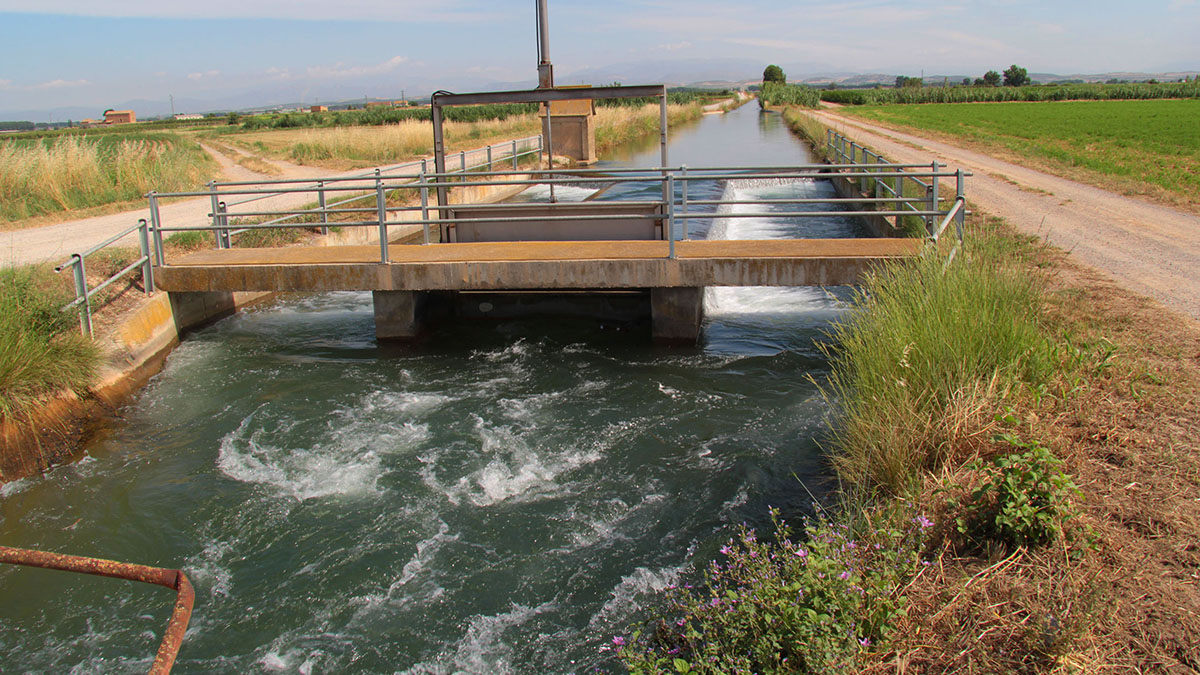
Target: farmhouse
[{"x": 119, "y": 117}]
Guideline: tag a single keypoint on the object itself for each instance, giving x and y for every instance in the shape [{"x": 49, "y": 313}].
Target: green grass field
[{"x": 1145, "y": 147}]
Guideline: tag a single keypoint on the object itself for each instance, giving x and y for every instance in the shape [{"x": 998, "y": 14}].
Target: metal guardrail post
[
  {"x": 156, "y": 225},
  {"x": 381, "y": 207},
  {"x": 148, "y": 266},
  {"x": 81, "y": 292},
  {"x": 960, "y": 221},
  {"x": 931, "y": 196},
  {"x": 489, "y": 157},
  {"x": 669, "y": 189},
  {"x": 424, "y": 163},
  {"x": 933, "y": 183},
  {"x": 226, "y": 241},
  {"x": 683, "y": 203},
  {"x": 424, "y": 207},
  {"x": 462, "y": 161},
  {"x": 514, "y": 154},
  {"x": 216, "y": 212},
  {"x": 321, "y": 203}
]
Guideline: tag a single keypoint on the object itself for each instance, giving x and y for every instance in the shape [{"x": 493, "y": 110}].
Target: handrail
[
  {"x": 176, "y": 580},
  {"x": 83, "y": 294}
]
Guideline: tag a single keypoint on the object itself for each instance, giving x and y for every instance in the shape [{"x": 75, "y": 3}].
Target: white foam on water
[
  {"x": 206, "y": 568},
  {"x": 483, "y": 650},
  {"x": 562, "y": 193},
  {"x": 624, "y": 598},
  {"x": 323, "y": 470},
  {"x": 14, "y": 487}
]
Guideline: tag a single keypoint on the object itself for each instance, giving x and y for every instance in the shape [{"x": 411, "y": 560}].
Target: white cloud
[
  {"x": 5, "y": 84},
  {"x": 60, "y": 84},
  {"x": 208, "y": 74},
  {"x": 684, "y": 44},
  {"x": 342, "y": 70}
]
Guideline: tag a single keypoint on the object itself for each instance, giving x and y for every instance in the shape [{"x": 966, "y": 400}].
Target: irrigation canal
[{"x": 503, "y": 499}]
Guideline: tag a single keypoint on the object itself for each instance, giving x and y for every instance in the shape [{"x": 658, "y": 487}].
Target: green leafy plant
[
  {"x": 816, "y": 604},
  {"x": 1022, "y": 499}
]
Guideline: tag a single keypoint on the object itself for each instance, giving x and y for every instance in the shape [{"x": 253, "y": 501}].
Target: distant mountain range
[{"x": 709, "y": 73}]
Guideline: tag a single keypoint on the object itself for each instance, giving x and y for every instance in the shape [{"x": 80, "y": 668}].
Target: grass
[
  {"x": 923, "y": 360},
  {"x": 618, "y": 125},
  {"x": 41, "y": 350},
  {"x": 1141, "y": 147},
  {"x": 353, "y": 147},
  {"x": 40, "y": 176}
]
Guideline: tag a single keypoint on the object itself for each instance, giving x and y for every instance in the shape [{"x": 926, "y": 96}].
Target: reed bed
[
  {"x": 408, "y": 139},
  {"x": 621, "y": 124},
  {"x": 44, "y": 176}
]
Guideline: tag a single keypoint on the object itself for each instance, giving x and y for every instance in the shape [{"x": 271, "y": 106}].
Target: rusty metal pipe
[{"x": 176, "y": 580}]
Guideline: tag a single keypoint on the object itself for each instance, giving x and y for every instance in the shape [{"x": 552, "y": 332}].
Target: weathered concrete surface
[
  {"x": 620, "y": 222},
  {"x": 676, "y": 314},
  {"x": 536, "y": 266},
  {"x": 399, "y": 315}
]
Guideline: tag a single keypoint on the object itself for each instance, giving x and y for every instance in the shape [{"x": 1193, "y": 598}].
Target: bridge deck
[{"x": 535, "y": 265}]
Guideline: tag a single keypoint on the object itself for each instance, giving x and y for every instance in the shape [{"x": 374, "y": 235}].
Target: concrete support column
[
  {"x": 399, "y": 315},
  {"x": 676, "y": 314}
]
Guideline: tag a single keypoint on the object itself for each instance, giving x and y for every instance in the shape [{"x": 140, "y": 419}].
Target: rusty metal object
[{"x": 173, "y": 579}]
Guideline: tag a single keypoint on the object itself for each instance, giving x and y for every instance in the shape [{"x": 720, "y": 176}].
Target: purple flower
[
  {"x": 725, "y": 550},
  {"x": 680, "y": 622},
  {"x": 866, "y": 642},
  {"x": 844, "y": 575},
  {"x": 618, "y": 641},
  {"x": 715, "y": 602},
  {"x": 800, "y": 553},
  {"x": 924, "y": 522}
]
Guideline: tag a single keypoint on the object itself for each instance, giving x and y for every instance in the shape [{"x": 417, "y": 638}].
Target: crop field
[
  {"x": 41, "y": 176},
  {"x": 1137, "y": 147},
  {"x": 1038, "y": 92}
]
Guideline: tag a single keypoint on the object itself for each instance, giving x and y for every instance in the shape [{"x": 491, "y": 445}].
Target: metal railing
[
  {"x": 176, "y": 580},
  {"x": 509, "y": 151},
  {"x": 84, "y": 294},
  {"x": 674, "y": 207},
  {"x": 928, "y": 192}
]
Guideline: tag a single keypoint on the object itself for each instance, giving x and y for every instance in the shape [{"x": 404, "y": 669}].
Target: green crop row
[{"x": 959, "y": 94}]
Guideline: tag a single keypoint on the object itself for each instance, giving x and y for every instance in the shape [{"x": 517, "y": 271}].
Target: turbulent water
[{"x": 501, "y": 499}]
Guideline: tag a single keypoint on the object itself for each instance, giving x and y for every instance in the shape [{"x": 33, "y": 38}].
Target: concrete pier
[
  {"x": 399, "y": 315},
  {"x": 676, "y": 314}
]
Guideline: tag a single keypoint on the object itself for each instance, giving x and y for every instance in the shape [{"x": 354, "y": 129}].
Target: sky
[{"x": 57, "y": 53}]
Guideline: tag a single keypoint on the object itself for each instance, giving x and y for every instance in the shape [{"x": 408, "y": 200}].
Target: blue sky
[{"x": 70, "y": 52}]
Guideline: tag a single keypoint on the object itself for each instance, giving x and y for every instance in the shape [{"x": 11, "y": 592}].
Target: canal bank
[{"x": 351, "y": 506}]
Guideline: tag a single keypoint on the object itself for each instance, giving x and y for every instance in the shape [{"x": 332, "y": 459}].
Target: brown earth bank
[{"x": 1124, "y": 597}]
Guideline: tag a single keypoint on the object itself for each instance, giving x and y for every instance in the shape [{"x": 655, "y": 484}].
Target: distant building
[
  {"x": 119, "y": 117},
  {"x": 88, "y": 123},
  {"x": 319, "y": 108},
  {"x": 188, "y": 116}
]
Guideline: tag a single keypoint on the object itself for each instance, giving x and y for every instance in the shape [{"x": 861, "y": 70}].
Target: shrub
[
  {"x": 1022, "y": 498},
  {"x": 785, "y": 606}
]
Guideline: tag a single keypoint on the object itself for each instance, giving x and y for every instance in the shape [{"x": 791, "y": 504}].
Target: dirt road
[
  {"x": 56, "y": 243},
  {"x": 1150, "y": 249}
]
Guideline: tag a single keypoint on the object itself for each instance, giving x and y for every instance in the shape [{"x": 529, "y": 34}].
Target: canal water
[{"x": 503, "y": 499}]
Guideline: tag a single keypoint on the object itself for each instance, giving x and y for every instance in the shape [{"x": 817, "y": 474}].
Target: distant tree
[
  {"x": 1016, "y": 76},
  {"x": 966, "y": 82},
  {"x": 774, "y": 73},
  {"x": 905, "y": 81},
  {"x": 233, "y": 118},
  {"x": 991, "y": 78},
  {"x": 1152, "y": 81}
]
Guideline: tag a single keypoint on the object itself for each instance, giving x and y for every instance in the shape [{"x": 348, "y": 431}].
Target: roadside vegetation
[
  {"x": 616, "y": 125},
  {"x": 988, "y": 429},
  {"x": 63, "y": 172},
  {"x": 782, "y": 94},
  {"x": 41, "y": 350},
  {"x": 1136, "y": 147},
  {"x": 994, "y": 94}
]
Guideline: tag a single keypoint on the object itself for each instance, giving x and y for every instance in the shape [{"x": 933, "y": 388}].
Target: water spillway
[{"x": 504, "y": 498}]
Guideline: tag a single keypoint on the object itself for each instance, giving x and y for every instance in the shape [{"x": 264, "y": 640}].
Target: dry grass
[
  {"x": 354, "y": 147},
  {"x": 71, "y": 172},
  {"x": 618, "y": 125}
]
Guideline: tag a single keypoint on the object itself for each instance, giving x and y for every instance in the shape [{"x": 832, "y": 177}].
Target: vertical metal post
[
  {"x": 933, "y": 184},
  {"x": 853, "y": 147},
  {"x": 424, "y": 206},
  {"x": 462, "y": 161},
  {"x": 960, "y": 191},
  {"x": 424, "y": 166},
  {"x": 439, "y": 159},
  {"x": 148, "y": 265},
  {"x": 514, "y": 155},
  {"x": 683, "y": 203},
  {"x": 489, "y": 157},
  {"x": 668, "y": 196},
  {"x": 669, "y": 189},
  {"x": 81, "y": 291},
  {"x": 381, "y": 208},
  {"x": 156, "y": 225},
  {"x": 216, "y": 212},
  {"x": 226, "y": 238},
  {"x": 321, "y": 202}
]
